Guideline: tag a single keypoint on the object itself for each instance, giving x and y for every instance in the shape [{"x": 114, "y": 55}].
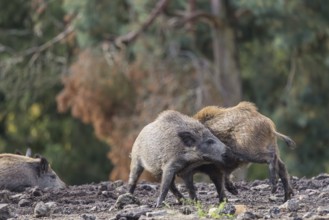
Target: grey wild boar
[
  {"x": 252, "y": 137},
  {"x": 18, "y": 172},
  {"x": 171, "y": 145}
]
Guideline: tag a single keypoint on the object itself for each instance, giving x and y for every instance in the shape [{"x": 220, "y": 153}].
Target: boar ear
[
  {"x": 187, "y": 138},
  {"x": 18, "y": 152},
  {"x": 43, "y": 165}
]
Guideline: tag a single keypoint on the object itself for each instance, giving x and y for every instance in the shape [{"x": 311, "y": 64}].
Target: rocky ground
[{"x": 107, "y": 200}]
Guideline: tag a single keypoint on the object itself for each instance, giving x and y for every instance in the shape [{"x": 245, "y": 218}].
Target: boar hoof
[
  {"x": 288, "y": 195},
  {"x": 222, "y": 198},
  {"x": 159, "y": 203},
  {"x": 180, "y": 201},
  {"x": 232, "y": 189}
]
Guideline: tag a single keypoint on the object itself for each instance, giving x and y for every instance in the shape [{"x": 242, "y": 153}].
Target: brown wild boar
[
  {"x": 18, "y": 172},
  {"x": 251, "y": 137},
  {"x": 172, "y": 144}
]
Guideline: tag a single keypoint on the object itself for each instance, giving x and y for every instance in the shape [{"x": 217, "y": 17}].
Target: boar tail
[{"x": 286, "y": 139}]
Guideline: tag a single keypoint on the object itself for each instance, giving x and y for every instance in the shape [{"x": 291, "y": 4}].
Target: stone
[
  {"x": 323, "y": 210},
  {"x": 275, "y": 212},
  {"x": 36, "y": 191},
  {"x": 291, "y": 205},
  {"x": 88, "y": 217},
  {"x": 272, "y": 198},
  {"x": 324, "y": 195},
  {"x": 51, "y": 205},
  {"x": 121, "y": 189},
  {"x": 109, "y": 194},
  {"x": 148, "y": 187},
  {"x": 239, "y": 209},
  {"x": 156, "y": 213},
  {"x": 24, "y": 203},
  {"x": 187, "y": 210},
  {"x": 93, "y": 209},
  {"x": 322, "y": 176},
  {"x": 41, "y": 210},
  {"x": 229, "y": 209},
  {"x": 4, "y": 211},
  {"x": 308, "y": 215},
  {"x": 124, "y": 200},
  {"x": 203, "y": 192},
  {"x": 246, "y": 216},
  {"x": 234, "y": 200},
  {"x": 117, "y": 183},
  {"x": 260, "y": 187},
  {"x": 302, "y": 197},
  {"x": 17, "y": 196},
  {"x": 318, "y": 217},
  {"x": 130, "y": 206},
  {"x": 132, "y": 213},
  {"x": 4, "y": 196},
  {"x": 103, "y": 187},
  {"x": 312, "y": 192}
]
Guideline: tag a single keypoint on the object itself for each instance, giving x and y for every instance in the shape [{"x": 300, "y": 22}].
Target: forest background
[{"x": 80, "y": 78}]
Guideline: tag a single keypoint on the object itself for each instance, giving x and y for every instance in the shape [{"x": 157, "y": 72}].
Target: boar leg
[
  {"x": 175, "y": 191},
  {"x": 188, "y": 180},
  {"x": 217, "y": 177},
  {"x": 229, "y": 184},
  {"x": 283, "y": 174},
  {"x": 135, "y": 172},
  {"x": 166, "y": 181},
  {"x": 273, "y": 169}
]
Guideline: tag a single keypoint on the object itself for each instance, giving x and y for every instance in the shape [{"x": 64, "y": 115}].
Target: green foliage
[
  {"x": 214, "y": 212},
  {"x": 97, "y": 20},
  {"x": 28, "y": 87},
  {"x": 201, "y": 210},
  {"x": 283, "y": 55},
  {"x": 284, "y": 69}
]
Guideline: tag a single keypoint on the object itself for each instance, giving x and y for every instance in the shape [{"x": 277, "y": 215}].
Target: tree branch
[
  {"x": 203, "y": 15},
  {"x": 131, "y": 36},
  {"x": 50, "y": 43},
  {"x": 14, "y": 32}
]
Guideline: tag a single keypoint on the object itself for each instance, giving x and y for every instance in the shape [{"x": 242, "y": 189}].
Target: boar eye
[
  {"x": 210, "y": 142},
  {"x": 53, "y": 176}
]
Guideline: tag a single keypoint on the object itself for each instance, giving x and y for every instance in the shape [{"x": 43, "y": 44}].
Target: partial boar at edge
[
  {"x": 18, "y": 172},
  {"x": 252, "y": 137},
  {"x": 172, "y": 145}
]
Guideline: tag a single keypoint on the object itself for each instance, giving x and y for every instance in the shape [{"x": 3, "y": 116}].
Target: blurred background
[{"x": 80, "y": 78}]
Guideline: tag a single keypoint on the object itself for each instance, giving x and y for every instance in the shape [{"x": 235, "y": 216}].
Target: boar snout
[
  {"x": 230, "y": 160},
  {"x": 214, "y": 151}
]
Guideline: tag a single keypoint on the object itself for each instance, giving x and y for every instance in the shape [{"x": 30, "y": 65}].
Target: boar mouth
[
  {"x": 230, "y": 159},
  {"x": 210, "y": 159}
]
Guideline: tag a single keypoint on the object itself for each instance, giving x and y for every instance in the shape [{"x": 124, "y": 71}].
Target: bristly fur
[
  {"x": 210, "y": 112},
  {"x": 18, "y": 172},
  {"x": 251, "y": 136}
]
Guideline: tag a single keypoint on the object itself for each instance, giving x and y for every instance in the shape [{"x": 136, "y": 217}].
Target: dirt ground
[{"x": 108, "y": 200}]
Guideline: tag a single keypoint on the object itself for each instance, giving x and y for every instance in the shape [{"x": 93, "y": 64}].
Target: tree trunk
[
  {"x": 226, "y": 64},
  {"x": 227, "y": 72}
]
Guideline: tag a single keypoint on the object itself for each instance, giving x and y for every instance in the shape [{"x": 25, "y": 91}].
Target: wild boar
[
  {"x": 172, "y": 145},
  {"x": 18, "y": 172},
  {"x": 251, "y": 136}
]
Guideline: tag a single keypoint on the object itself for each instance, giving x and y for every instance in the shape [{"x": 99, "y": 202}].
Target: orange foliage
[{"x": 119, "y": 100}]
